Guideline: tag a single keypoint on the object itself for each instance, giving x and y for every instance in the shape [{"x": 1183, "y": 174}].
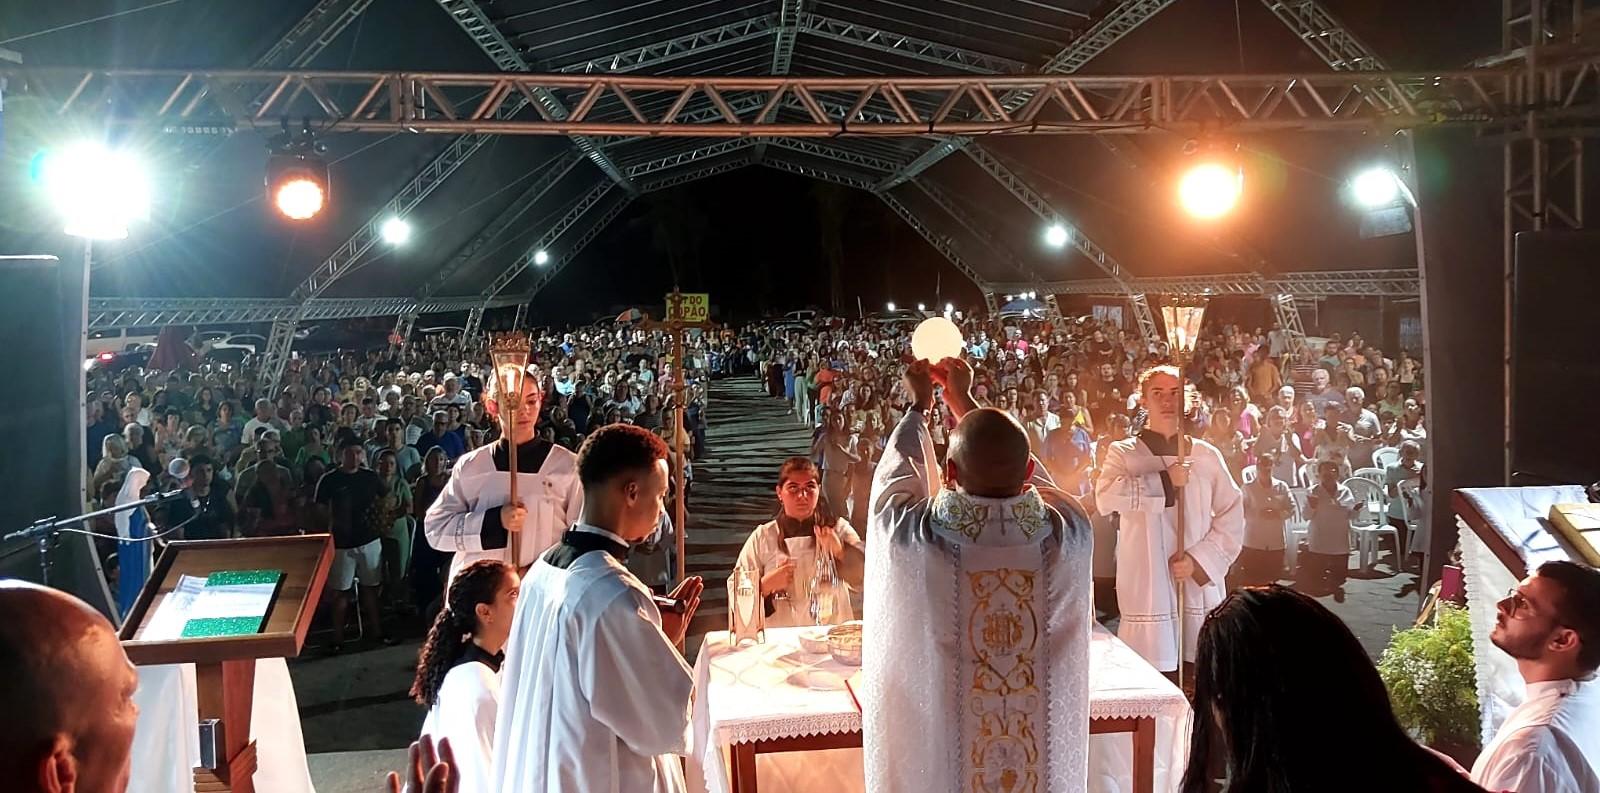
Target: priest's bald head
[
  {"x": 67, "y": 695},
  {"x": 988, "y": 455}
]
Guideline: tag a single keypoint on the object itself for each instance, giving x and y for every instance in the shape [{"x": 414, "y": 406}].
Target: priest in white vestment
[
  {"x": 1140, "y": 480},
  {"x": 978, "y": 609},
  {"x": 594, "y": 695},
  {"x": 1551, "y": 625},
  {"x": 471, "y": 516}
]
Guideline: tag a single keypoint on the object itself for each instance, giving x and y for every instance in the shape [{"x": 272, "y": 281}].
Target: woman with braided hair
[{"x": 458, "y": 668}]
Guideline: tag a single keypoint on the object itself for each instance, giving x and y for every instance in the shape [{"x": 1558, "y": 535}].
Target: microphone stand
[{"x": 44, "y": 530}]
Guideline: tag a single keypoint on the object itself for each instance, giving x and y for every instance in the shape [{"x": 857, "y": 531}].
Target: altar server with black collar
[
  {"x": 458, "y": 669},
  {"x": 595, "y": 696},
  {"x": 471, "y": 516}
]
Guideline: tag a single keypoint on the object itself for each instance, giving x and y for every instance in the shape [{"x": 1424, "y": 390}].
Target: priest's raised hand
[{"x": 428, "y": 770}]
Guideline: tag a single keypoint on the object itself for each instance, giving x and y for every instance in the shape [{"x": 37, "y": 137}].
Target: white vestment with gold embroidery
[{"x": 976, "y": 647}]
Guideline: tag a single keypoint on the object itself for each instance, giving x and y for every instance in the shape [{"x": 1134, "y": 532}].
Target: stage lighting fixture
[
  {"x": 922, "y": 306},
  {"x": 395, "y": 231},
  {"x": 297, "y": 174},
  {"x": 949, "y": 308},
  {"x": 97, "y": 191},
  {"x": 1057, "y": 236},
  {"x": 541, "y": 258},
  {"x": 297, "y": 185},
  {"x": 891, "y": 305},
  {"x": 1375, "y": 188},
  {"x": 1210, "y": 188}
]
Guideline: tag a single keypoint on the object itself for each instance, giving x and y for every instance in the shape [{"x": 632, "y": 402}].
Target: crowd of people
[
  {"x": 1338, "y": 403},
  {"x": 1280, "y": 435},
  {"x": 360, "y": 443}
]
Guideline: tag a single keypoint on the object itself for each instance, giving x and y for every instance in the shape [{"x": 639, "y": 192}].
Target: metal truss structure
[
  {"x": 919, "y": 49},
  {"x": 1122, "y": 20},
  {"x": 699, "y": 42},
  {"x": 113, "y": 313},
  {"x": 458, "y": 103},
  {"x": 1143, "y": 317},
  {"x": 1327, "y": 283},
  {"x": 472, "y": 19},
  {"x": 312, "y": 34}
]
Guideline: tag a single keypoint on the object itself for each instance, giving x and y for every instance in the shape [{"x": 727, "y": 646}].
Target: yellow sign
[{"x": 688, "y": 307}]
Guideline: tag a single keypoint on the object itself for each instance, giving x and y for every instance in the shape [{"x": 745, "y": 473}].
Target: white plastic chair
[
  {"x": 1385, "y": 457},
  {"x": 1411, "y": 499},
  {"x": 1370, "y": 523},
  {"x": 1296, "y": 528},
  {"x": 1373, "y": 475},
  {"x": 1306, "y": 477}
]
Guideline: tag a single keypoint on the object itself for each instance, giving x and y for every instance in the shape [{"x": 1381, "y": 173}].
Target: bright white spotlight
[
  {"x": 1375, "y": 188},
  {"x": 299, "y": 198},
  {"x": 891, "y": 305},
  {"x": 1057, "y": 236},
  {"x": 97, "y": 191},
  {"x": 541, "y": 258},
  {"x": 1210, "y": 190},
  {"x": 949, "y": 308},
  {"x": 396, "y": 231},
  {"x": 922, "y": 306}
]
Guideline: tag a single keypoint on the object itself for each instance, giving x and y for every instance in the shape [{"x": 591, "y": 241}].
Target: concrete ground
[{"x": 358, "y": 719}]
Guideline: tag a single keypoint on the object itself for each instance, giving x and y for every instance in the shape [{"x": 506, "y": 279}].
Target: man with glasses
[
  {"x": 781, "y": 554},
  {"x": 1550, "y": 624}
]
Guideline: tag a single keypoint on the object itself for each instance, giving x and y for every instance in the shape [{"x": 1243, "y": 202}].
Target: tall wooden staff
[
  {"x": 1183, "y": 326},
  {"x": 678, "y": 321},
  {"x": 510, "y": 352}
]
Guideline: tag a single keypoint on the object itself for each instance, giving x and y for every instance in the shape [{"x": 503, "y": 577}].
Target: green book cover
[{"x": 232, "y": 603}]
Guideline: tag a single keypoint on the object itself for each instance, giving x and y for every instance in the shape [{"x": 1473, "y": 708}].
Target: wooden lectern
[{"x": 225, "y": 667}]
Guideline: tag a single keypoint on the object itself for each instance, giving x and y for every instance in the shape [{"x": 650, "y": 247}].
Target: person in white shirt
[
  {"x": 266, "y": 417},
  {"x": 1330, "y": 505},
  {"x": 781, "y": 553},
  {"x": 1550, "y": 623},
  {"x": 595, "y": 696},
  {"x": 458, "y": 668},
  {"x": 1041, "y": 424},
  {"x": 453, "y": 395}
]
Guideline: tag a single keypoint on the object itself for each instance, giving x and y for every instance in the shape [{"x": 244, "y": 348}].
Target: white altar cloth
[
  {"x": 1520, "y": 516},
  {"x": 166, "y": 740},
  {"x": 773, "y": 690}
]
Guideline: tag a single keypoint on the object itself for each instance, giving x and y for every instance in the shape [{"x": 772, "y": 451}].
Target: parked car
[
  {"x": 136, "y": 355},
  {"x": 118, "y": 340}
]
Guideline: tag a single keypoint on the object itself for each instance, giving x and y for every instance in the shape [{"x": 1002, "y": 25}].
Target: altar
[{"x": 774, "y": 718}]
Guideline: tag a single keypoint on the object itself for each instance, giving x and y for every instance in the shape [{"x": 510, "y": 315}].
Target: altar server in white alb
[
  {"x": 1139, "y": 480},
  {"x": 978, "y": 609},
  {"x": 1551, "y": 625},
  {"x": 782, "y": 553},
  {"x": 594, "y": 695},
  {"x": 458, "y": 669},
  {"x": 471, "y": 516}
]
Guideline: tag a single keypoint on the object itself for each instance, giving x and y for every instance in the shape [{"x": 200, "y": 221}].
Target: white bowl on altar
[{"x": 814, "y": 640}]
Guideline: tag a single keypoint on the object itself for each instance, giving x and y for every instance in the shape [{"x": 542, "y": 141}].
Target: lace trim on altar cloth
[{"x": 795, "y": 727}]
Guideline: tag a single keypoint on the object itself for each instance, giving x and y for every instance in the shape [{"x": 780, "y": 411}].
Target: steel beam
[
  {"x": 973, "y": 227},
  {"x": 112, "y": 313},
  {"x": 789, "y": 17},
  {"x": 553, "y": 172},
  {"x": 1333, "y": 283},
  {"x": 939, "y": 243},
  {"x": 907, "y": 46},
  {"x": 1121, "y": 21},
  {"x": 830, "y": 106},
  {"x": 687, "y": 175},
  {"x": 824, "y": 174},
  {"x": 1097, "y": 255},
  {"x": 657, "y": 53},
  {"x": 472, "y": 19},
  {"x": 688, "y": 157},
  {"x": 593, "y": 230},
  {"x": 312, "y": 34},
  {"x": 546, "y": 240}
]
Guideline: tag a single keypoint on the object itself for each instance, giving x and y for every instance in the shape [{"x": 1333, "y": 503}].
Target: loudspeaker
[
  {"x": 43, "y": 305},
  {"x": 1555, "y": 362}
]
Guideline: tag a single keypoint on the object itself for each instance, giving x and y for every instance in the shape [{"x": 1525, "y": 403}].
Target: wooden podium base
[{"x": 224, "y": 690}]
